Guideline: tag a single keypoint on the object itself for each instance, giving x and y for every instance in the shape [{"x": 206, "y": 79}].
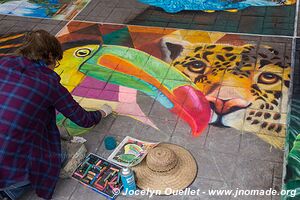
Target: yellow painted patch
[{"x": 70, "y": 64}]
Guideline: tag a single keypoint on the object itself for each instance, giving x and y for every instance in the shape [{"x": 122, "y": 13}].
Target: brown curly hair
[{"x": 41, "y": 45}]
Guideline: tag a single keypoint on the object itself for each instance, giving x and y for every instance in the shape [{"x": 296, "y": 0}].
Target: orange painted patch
[
  {"x": 10, "y": 46},
  {"x": 11, "y": 37},
  {"x": 109, "y": 61}
]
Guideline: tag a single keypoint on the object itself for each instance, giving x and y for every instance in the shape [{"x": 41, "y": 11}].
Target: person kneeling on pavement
[{"x": 30, "y": 94}]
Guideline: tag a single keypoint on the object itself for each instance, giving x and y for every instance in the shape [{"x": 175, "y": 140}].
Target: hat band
[{"x": 163, "y": 171}]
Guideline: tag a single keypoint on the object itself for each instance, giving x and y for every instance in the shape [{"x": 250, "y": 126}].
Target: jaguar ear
[{"x": 172, "y": 48}]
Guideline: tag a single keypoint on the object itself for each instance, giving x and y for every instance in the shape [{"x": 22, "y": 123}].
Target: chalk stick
[
  {"x": 98, "y": 163},
  {"x": 92, "y": 173},
  {"x": 114, "y": 169},
  {"x": 94, "y": 180},
  {"x": 114, "y": 179},
  {"x": 79, "y": 175},
  {"x": 107, "y": 177},
  {"x": 118, "y": 178},
  {"x": 87, "y": 170},
  {"x": 99, "y": 187}
]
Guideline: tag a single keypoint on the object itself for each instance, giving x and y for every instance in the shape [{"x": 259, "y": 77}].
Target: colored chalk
[
  {"x": 87, "y": 170},
  {"x": 110, "y": 142},
  {"x": 99, "y": 178},
  {"x": 114, "y": 179},
  {"x": 118, "y": 181},
  {"x": 107, "y": 177},
  {"x": 89, "y": 177},
  {"x": 102, "y": 170},
  {"x": 114, "y": 169},
  {"x": 85, "y": 181},
  {"x": 92, "y": 173},
  {"x": 99, "y": 174},
  {"x": 113, "y": 173},
  {"x": 110, "y": 185},
  {"x": 94, "y": 179},
  {"x": 98, "y": 186},
  {"x": 97, "y": 167},
  {"x": 98, "y": 163},
  {"x": 77, "y": 174},
  {"x": 98, "y": 183},
  {"x": 105, "y": 163}
]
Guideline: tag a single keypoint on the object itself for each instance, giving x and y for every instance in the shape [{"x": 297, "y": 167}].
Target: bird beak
[{"x": 136, "y": 69}]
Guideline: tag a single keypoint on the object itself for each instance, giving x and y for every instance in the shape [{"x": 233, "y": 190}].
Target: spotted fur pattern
[{"x": 246, "y": 85}]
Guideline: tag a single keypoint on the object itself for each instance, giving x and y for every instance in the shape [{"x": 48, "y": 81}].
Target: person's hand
[{"x": 105, "y": 110}]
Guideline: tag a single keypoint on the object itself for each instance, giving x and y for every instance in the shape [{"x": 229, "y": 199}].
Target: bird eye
[
  {"x": 268, "y": 78},
  {"x": 83, "y": 52},
  {"x": 196, "y": 66}
]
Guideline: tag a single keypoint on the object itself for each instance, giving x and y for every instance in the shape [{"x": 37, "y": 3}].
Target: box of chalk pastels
[{"x": 100, "y": 175}]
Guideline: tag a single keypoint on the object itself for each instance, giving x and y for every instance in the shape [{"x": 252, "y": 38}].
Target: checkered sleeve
[{"x": 65, "y": 104}]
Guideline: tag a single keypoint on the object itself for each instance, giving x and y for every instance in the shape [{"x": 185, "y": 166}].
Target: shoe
[{"x": 4, "y": 196}]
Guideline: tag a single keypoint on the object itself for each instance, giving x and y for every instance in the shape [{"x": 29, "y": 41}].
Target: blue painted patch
[
  {"x": 174, "y": 6},
  {"x": 43, "y": 9},
  {"x": 160, "y": 97}
]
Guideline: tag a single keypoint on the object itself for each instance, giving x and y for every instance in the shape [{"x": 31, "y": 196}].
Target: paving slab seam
[
  {"x": 294, "y": 41},
  {"x": 71, "y": 20},
  {"x": 75, "y": 188},
  {"x": 286, "y": 152},
  {"x": 36, "y": 17},
  {"x": 58, "y": 33},
  {"x": 80, "y": 10},
  {"x": 296, "y": 18},
  {"x": 109, "y": 14},
  {"x": 233, "y": 33}
]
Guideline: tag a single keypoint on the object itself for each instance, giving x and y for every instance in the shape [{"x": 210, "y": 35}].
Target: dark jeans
[{"x": 17, "y": 190}]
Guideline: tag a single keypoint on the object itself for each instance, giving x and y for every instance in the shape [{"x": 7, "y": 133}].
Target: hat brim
[{"x": 178, "y": 178}]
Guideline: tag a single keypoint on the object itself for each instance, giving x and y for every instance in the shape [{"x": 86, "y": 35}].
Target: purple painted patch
[
  {"x": 93, "y": 88},
  {"x": 93, "y": 93},
  {"x": 109, "y": 95},
  {"x": 111, "y": 87},
  {"x": 80, "y": 91},
  {"x": 90, "y": 82}
]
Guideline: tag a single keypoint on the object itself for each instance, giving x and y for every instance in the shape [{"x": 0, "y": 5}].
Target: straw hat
[{"x": 166, "y": 166}]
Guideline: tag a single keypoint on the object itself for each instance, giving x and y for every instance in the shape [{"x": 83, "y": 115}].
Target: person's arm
[{"x": 66, "y": 105}]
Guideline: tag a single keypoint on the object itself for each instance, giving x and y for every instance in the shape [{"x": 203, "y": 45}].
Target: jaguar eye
[
  {"x": 196, "y": 66},
  {"x": 268, "y": 78},
  {"x": 83, "y": 52}
]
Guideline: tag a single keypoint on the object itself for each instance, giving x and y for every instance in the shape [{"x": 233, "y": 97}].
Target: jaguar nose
[
  {"x": 225, "y": 106},
  {"x": 215, "y": 104}
]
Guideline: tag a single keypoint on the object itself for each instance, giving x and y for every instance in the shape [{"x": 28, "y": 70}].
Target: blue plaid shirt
[{"x": 29, "y": 139}]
